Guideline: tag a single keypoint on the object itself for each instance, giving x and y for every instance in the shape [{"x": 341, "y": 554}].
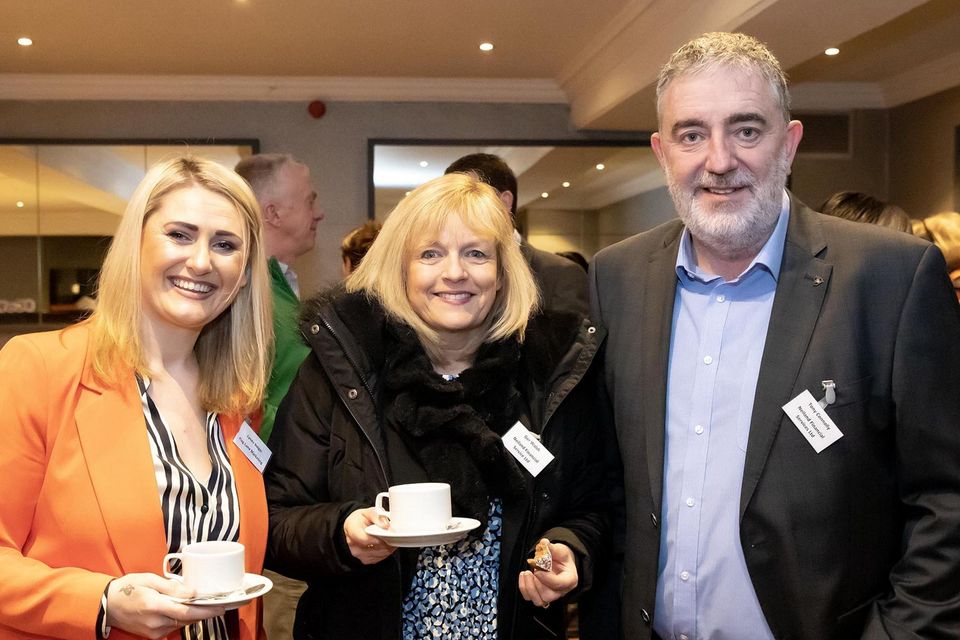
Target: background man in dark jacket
[{"x": 563, "y": 285}]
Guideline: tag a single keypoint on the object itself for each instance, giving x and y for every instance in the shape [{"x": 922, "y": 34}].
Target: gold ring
[{"x": 546, "y": 605}]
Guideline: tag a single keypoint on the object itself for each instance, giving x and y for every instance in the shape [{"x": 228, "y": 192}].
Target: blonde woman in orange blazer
[{"x": 183, "y": 327}]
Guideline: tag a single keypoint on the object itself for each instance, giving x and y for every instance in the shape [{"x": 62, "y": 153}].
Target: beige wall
[
  {"x": 923, "y": 154},
  {"x": 817, "y": 176}
]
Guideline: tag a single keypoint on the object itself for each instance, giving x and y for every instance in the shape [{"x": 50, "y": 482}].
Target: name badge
[
  {"x": 812, "y": 421},
  {"x": 253, "y": 447},
  {"x": 526, "y": 448}
]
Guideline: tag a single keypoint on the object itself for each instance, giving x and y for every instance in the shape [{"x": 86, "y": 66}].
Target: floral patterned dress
[{"x": 454, "y": 591}]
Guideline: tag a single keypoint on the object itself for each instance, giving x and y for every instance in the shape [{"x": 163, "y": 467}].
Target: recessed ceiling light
[
  {"x": 424, "y": 163},
  {"x": 544, "y": 195},
  {"x": 601, "y": 166},
  {"x": 19, "y": 204},
  {"x": 24, "y": 41},
  {"x": 486, "y": 46},
  {"x": 565, "y": 184},
  {"x": 832, "y": 51}
]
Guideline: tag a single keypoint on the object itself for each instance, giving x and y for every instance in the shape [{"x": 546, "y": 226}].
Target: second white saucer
[{"x": 457, "y": 529}]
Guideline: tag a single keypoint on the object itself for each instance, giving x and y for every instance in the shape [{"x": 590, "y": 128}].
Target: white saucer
[
  {"x": 457, "y": 529},
  {"x": 236, "y": 599}
]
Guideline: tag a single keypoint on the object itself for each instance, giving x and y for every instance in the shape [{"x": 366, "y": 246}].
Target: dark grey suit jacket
[
  {"x": 562, "y": 282},
  {"x": 863, "y": 539}
]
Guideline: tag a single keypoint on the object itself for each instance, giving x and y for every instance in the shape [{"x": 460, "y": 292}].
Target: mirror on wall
[
  {"x": 573, "y": 195},
  {"x": 60, "y": 204}
]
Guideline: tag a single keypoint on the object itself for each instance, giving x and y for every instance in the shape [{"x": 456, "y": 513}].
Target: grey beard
[{"x": 732, "y": 232}]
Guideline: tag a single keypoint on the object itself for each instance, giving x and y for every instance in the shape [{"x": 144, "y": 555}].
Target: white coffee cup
[
  {"x": 208, "y": 567},
  {"x": 422, "y": 506}
]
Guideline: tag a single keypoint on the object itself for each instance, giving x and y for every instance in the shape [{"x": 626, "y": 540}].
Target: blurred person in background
[
  {"x": 356, "y": 244},
  {"x": 562, "y": 284},
  {"x": 943, "y": 230},
  {"x": 861, "y": 207},
  {"x": 291, "y": 214}
]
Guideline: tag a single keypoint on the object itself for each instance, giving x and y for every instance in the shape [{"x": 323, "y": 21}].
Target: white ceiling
[{"x": 601, "y": 57}]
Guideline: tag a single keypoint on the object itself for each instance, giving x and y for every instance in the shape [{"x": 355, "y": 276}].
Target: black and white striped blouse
[{"x": 193, "y": 511}]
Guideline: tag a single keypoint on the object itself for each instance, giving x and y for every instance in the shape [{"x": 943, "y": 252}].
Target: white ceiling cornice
[
  {"x": 921, "y": 81},
  {"x": 256, "y": 88}
]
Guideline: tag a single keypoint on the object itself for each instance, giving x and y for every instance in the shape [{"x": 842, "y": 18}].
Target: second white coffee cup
[
  {"x": 208, "y": 567},
  {"x": 422, "y": 506}
]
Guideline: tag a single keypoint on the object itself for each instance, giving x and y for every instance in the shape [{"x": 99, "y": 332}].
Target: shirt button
[
  {"x": 204, "y": 509},
  {"x": 691, "y": 502},
  {"x": 684, "y": 575},
  {"x": 707, "y": 359},
  {"x": 721, "y": 298},
  {"x": 698, "y": 429}
]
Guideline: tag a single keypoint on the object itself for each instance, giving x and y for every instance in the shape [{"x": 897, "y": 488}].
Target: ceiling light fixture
[
  {"x": 24, "y": 41},
  {"x": 544, "y": 195},
  {"x": 601, "y": 166},
  {"x": 424, "y": 163},
  {"x": 565, "y": 184},
  {"x": 19, "y": 204},
  {"x": 486, "y": 46},
  {"x": 832, "y": 51}
]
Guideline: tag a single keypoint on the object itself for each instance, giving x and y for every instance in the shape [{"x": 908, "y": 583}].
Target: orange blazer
[{"x": 78, "y": 501}]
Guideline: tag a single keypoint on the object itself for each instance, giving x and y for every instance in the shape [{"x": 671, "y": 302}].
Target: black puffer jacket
[{"x": 330, "y": 458}]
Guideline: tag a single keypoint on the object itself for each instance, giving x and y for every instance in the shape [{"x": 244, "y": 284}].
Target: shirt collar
[
  {"x": 290, "y": 276},
  {"x": 769, "y": 257}
]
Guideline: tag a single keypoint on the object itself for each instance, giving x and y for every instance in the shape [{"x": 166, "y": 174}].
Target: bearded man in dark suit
[{"x": 783, "y": 385}]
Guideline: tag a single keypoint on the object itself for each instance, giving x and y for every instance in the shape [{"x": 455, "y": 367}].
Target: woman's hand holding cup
[
  {"x": 135, "y": 605},
  {"x": 543, "y": 587},
  {"x": 364, "y": 547}
]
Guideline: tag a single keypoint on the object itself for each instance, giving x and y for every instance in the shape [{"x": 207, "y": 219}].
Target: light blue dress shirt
[{"x": 719, "y": 329}]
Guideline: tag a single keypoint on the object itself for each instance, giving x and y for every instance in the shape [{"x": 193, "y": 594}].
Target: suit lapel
[
  {"x": 656, "y": 320},
  {"x": 803, "y": 283},
  {"x": 116, "y": 449},
  {"x": 250, "y": 493}
]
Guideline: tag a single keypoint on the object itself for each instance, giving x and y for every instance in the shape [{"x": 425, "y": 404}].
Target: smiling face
[
  {"x": 191, "y": 260},
  {"x": 726, "y": 151},
  {"x": 452, "y": 281}
]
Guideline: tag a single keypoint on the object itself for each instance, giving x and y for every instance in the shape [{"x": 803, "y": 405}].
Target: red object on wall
[{"x": 317, "y": 108}]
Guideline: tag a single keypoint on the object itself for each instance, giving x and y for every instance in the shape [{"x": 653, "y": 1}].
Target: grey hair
[
  {"x": 722, "y": 49},
  {"x": 259, "y": 170}
]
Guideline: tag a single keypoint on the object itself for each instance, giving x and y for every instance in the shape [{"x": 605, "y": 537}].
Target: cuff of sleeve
[{"x": 103, "y": 631}]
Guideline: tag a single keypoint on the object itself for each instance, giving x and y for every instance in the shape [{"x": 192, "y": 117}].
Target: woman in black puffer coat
[{"x": 431, "y": 354}]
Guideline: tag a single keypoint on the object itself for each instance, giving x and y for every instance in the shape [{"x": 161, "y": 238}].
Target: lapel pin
[{"x": 817, "y": 281}]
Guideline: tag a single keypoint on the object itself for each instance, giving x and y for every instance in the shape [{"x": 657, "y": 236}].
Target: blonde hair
[
  {"x": 722, "y": 49},
  {"x": 233, "y": 351},
  {"x": 383, "y": 272}
]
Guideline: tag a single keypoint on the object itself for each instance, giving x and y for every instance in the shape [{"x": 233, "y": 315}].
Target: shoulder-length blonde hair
[
  {"x": 234, "y": 350},
  {"x": 422, "y": 215}
]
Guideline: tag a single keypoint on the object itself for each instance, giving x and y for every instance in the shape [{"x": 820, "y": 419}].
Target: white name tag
[
  {"x": 812, "y": 421},
  {"x": 253, "y": 447},
  {"x": 526, "y": 448}
]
